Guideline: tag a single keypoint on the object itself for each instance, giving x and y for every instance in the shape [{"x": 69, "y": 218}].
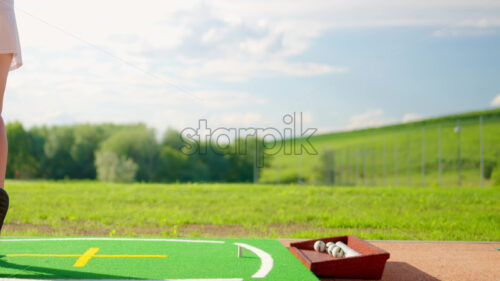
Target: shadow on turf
[
  {"x": 397, "y": 271},
  {"x": 35, "y": 272}
]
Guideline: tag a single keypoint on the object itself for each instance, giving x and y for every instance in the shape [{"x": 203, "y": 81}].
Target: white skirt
[{"x": 9, "y": 38}]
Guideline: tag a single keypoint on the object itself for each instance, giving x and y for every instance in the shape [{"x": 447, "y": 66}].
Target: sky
[{"x": 344, "y": 64}]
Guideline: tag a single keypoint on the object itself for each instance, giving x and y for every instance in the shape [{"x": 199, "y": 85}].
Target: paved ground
[{"x": 431, "y": 261}]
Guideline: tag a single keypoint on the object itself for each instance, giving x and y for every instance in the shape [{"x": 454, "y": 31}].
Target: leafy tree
[
  {"x": 240, "y": 168},
  {"x": 57, "y": 149},
  {"x": 496, "y": 175},
  {"x": 38, "y": 136},
  {"x": 172, "y": 165},
  {"x": 213, "y": 158},
  {"x": 247, "y": 159},
  {"x": 114, "y": 168},
  {"x": 19, "y": 158},
  {"x": 70, "y": 151},
  {"x": 86, "y": 142},
  {"x": 137, "y": 143},
  {"x": 197, "y": 170},
  {"x": 173, "y": 139}
]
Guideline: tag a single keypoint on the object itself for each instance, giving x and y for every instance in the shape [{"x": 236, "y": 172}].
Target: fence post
[
  {"x": 299, "y": 178},
  {"x": 481, "y": 140},
  {"x": 459, "y": 161},
  {"x": 385, "y": 163},
  {"x": 340, "y": 167},
  {"x": 364, "y": 165},
  {"x": 277, "y": 172},
  {"x": 333, "y": 177},
  {"x": 347, "y": 166},
  {"x": 395, "y": 162},
  {"x": 255, "y": 169},
  {"x": 440, "y": 167},
  {"x": 374, "y": 166},
  {"x": 423, "y": 156},
  {"x": 408, "y": 165},
  {"x": 356, "y": 158}
]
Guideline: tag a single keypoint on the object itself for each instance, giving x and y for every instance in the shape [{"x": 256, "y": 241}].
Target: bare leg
[{"x": 5, "y": 60}]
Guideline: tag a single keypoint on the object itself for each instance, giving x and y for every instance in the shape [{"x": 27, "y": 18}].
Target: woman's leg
[{"x": 5, "y": 60}]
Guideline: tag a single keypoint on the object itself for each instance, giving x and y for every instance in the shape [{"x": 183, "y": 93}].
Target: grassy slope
[
  {"x": 403, "y": 148},
  {"x": 92, "y": 208}
]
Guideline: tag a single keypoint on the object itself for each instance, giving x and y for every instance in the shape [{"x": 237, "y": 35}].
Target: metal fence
[{"x": 460, "y": 152}]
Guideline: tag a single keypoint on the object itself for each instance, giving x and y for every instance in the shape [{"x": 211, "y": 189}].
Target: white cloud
[
  {"x": 369, "y": 119},
  {"x": 149, "y": 61},
  {"x": 470, "y": 27},
  {"x": 227, "y": 70},
  {"x": 496, "y": 101},
  {"x": 409, "y": 117},
  {"x": 58, "y": 117},
  {"x": 464, "y": 31},
  {"x": 144, "y": 59},
  {"x": 221, "y": 35},
  {"x": 238, "y": 119},
  {"x": 226, "y": 99}
]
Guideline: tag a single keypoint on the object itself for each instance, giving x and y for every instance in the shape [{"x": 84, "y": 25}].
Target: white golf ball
[
  {"x": 337, "y": 252},
  {"x": 329, "y": 244},
  {"x": 330, "y": 248},
  {"x": 319, "y": 246},
  {"x": 341, "y": 254}
]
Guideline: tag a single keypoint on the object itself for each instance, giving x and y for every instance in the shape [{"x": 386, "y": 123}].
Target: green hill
[{"x": 407, "y": 154}]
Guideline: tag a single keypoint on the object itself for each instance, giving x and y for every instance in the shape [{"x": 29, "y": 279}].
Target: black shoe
[{"x": 4, "y": 206}]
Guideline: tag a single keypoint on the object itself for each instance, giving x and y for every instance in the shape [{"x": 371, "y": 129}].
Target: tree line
[{"x": 124, "y": 153}]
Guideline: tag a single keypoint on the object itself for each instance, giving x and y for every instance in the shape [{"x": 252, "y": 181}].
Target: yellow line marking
[
  {"x": 82, "y": 261},
  {"x": 42, "y": 255},
  {"x": 130, "y": 256},
  {"x": 87, "y": 256},
  {"x": 95, "y": 256}
]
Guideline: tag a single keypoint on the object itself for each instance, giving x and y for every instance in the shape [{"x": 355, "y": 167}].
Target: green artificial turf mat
[{"x": 55, "y": 258}]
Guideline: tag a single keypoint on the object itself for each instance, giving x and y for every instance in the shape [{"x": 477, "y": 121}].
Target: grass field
[
  {"x": 394, "y": 155},
  {"x": 68, "y": 208}
]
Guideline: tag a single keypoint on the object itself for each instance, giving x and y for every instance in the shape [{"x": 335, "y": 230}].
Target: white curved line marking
[
  {"x": 111, "y": 239},
  {"x": 265, "y": 258}
]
